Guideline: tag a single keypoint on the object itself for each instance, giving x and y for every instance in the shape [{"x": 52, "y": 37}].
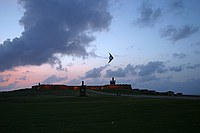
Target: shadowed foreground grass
[{"x": 56, "y": 113}]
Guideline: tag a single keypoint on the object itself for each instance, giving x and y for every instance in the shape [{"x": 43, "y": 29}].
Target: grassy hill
[{"x": 63, "y": 111}]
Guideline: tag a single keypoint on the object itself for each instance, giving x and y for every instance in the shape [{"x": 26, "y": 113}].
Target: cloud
[
  {"x": 131, "y": 69},
  {"x": 120, "y": 72},
  {"x": 56, "y": 62},
  {"x": 27, "y": 72},
  {"x": 52, "y": 27},
  {"x": 9, "y": 87},
  {"x": 174, "y": 34},
  {"x": 179, "y": 55},
  {"x": 147, "y": 78},
  {"x": 147, "y": 72},
  {"x": 177, "y": 6},
  {"x": 152, "y": 67},
  {"x": 88, "y": 81},
  {"x": 190, "y": 86},
  {"x": 95, "y": 72},
  {"x": 22, "y": 78},
  {"x": 195, "y": 44},
  {"x": 176, "y": 68},
  {"x": 196, "y": 52},
  {"x": 141, "y": 70},
  {"x": 195, "y": 66},
  {"x": 115, "y": 73},
  {"x": 96, "y": 81},
  {"x": 75, "y": 81},
  {"x": 148, "y": 15},
  {"x": 4, "y": 78},
  {"x": 54, "y": 79}
]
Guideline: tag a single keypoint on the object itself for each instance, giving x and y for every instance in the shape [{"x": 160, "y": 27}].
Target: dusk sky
[{"x": 155, "y": 43}]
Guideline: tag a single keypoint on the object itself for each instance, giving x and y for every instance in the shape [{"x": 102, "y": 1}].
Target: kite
[{"x": 110, "y": 58}]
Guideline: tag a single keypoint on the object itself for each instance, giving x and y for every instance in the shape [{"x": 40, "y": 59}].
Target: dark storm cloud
[
  {"x": 179, "y": 55},
  {"x": 54, "y": 26},
  {"x": 95, "y": 72},
  {"x": 152, "y": 67},
  {"x": 174, "y": 34},
  {"x": 54, "y": 79},
  {"x": 148, "y": 15}
]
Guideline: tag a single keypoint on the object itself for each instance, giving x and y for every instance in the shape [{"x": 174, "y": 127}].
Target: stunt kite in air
[{"x": 110, "y": 58}]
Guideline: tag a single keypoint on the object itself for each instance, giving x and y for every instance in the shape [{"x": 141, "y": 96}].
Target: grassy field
[{"x": 31, "y": 111}]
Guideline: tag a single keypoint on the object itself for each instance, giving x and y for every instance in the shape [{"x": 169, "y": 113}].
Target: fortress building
[
  {"x": 112, "y": 85},
  {"x": 118, "y": 87}
]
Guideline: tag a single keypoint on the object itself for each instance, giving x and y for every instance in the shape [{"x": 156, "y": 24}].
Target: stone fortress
[{"x": 111, "y": 86}]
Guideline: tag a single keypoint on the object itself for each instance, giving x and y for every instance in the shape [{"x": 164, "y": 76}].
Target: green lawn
[{"x": 64, "y": 112}]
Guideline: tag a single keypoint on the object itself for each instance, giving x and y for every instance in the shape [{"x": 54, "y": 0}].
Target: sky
[{"x": 155, "y": 44}]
